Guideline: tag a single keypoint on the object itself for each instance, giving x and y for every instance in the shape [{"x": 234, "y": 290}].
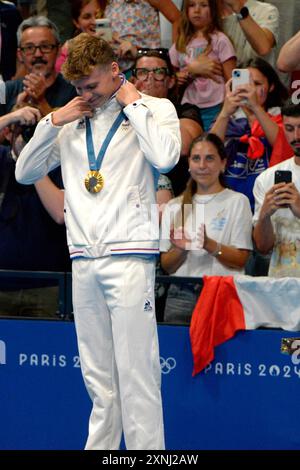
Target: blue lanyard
[{"x": 95, "y": 163}]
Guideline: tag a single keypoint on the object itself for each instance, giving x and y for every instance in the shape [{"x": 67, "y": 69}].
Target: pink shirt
[
  {"x": 61, "y": 58},
  {"x": 204, "y": 92}
]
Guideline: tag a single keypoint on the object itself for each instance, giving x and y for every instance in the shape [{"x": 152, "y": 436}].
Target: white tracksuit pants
[{"x": 114, "y": 313}]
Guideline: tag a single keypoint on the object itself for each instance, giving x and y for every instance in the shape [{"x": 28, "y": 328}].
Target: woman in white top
[{"x": 206, "y": 230}]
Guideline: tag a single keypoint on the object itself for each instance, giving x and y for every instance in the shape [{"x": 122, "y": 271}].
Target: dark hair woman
[
  {"x": 206, "y": 230},
  {"x": 250, "y": 123}
]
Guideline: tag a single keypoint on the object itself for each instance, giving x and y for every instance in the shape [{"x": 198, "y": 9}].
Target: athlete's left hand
[{"x": 127, "y": 94}]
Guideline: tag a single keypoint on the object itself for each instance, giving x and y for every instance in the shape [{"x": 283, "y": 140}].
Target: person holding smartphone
[
  {"x": 277, "y": 204},
  {"x": 84, "y": 14},
  {"x": 250, "y": 124}
]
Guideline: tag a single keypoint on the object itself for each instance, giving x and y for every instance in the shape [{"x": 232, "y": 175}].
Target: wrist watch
[
  {"x": 244, "y": 13},
  {"x": 218, "y": 250}
]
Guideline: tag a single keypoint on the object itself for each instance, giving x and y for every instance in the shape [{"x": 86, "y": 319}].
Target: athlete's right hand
[{"x": 75, "y": 109}]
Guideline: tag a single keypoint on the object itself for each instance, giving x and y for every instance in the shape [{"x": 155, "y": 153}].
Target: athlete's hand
[
  {"x": 127, "y": 94},
  {"x": 75, "y": 109}
]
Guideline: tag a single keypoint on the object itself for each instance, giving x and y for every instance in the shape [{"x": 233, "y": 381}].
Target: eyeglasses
[
  {"x": 44, "y": 48},
  {"x": 159, "y": 73}
]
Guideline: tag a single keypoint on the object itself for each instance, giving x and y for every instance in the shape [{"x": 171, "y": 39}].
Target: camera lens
[{"x": 237, "y": 73}]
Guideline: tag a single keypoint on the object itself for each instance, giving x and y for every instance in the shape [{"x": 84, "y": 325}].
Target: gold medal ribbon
[{"x": 94, "y": 181}]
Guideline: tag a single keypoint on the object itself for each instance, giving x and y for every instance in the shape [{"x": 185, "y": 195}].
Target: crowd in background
[{"x": 233, "y": 140}]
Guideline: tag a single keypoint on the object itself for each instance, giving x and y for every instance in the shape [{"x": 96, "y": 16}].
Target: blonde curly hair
[{"x": 85, "y": 53}]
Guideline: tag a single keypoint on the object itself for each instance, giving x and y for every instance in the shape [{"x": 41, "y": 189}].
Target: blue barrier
[{"x": 246, "y": 399}]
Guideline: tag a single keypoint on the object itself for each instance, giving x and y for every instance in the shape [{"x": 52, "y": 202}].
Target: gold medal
[{"x": 94, "y": 181}]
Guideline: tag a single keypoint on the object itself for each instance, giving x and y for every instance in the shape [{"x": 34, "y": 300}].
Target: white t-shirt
[
  {"x": 285, "y": 259},
  {"x": 266, "y": 16},
  {"x": 227, "y": 218}
]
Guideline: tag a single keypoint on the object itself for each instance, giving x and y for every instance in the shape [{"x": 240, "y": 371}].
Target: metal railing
[
  {"x": 11, "y": 280},
  {"x": 63, "y": 280}
]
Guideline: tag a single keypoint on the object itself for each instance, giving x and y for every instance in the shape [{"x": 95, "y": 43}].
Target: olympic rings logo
[{"x": 167, "y": 365}]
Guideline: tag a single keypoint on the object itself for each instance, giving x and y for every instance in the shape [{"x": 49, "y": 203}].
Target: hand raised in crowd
[
  {"x": 182, "y": 76},
  {"x": 247, "y": 94},
  {"x": 235, "y": 5},
  {"x": 127, "y": 94},
  {"x": 25, "y": 116},
  {"x": 35, "y": 85},
  {"x": 75, "y": 109},
  {"x": 232, "y": 101},
  {"x": 286, "y": 194},
  {"x": 204, "y": 66},
  {"x": 180, "y": 238},
  {"x": 124, "y": 48},
  {"x": 280, "y": 196},
  {"x": 270, "y": 204}
]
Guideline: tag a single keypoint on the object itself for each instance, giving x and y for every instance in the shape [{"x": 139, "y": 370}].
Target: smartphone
[
  {"x": 240, "y": 77},
  {"x": 103, "y": 26},
  {"x": 282, "y": 176}
]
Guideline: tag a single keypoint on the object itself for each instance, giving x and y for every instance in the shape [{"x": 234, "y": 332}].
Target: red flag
[{"x": 213, "y": 321}]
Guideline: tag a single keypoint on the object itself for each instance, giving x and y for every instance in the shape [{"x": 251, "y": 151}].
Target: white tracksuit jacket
[
  {"x": 125, "y": 220},
  {"x": 113, "y": 297}
]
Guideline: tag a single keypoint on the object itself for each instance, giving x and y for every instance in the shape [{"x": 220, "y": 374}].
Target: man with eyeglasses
[
  {"x": 42, "y": 87},
  {"x": 153, "y": 74},
  {"x": 42, "y": 241},
  {"x": 159, "y": 73}
]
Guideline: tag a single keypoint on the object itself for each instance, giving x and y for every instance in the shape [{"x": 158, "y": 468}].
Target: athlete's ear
[{"x": 115, "y": 69}]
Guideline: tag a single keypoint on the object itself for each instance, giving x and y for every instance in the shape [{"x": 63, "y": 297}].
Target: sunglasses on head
[{"x": 160, "y": 51}]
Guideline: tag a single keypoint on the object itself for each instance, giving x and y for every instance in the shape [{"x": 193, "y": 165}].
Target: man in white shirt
[
  {"x": 252, "y": 27},
  {"x": 277, "y": 206},
  {"x": 111, "y": 142}
]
